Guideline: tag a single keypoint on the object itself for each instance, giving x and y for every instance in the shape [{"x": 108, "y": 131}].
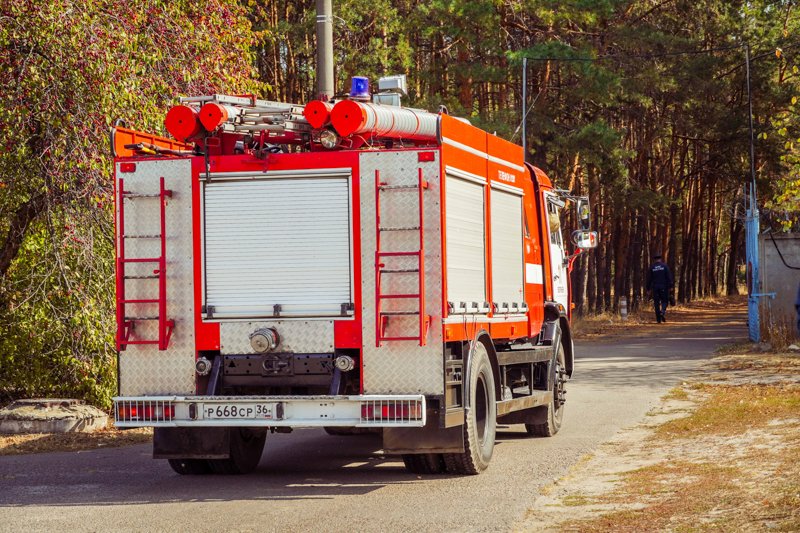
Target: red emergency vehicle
[{"x": 344, "y": 265}]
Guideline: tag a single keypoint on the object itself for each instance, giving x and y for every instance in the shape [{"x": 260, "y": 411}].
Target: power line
[
  {"x": 656, "y": 56},
  {"x": 635, "y": 56},
  {"x": 528, "y": 109}
]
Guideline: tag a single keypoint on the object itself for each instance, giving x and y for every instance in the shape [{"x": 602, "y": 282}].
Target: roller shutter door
[
  {"x": 277, "y": 242},
  {"x": 466, "y": 269},
  {"x": 507, "y": 261}
]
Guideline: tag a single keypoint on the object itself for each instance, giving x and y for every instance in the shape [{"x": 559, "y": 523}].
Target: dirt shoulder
[
  {"x": 70, "y": 442},
  {"x": 721, "y": 452}
]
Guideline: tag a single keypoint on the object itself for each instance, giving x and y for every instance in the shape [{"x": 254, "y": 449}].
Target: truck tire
[
  {"x": 190, "y": 467},
  {"x": 424, "y": 463},
  {"x": 480, "y": 423},
  {"x": 554, "y": 411},
  {"x": 247, "y": 445}
]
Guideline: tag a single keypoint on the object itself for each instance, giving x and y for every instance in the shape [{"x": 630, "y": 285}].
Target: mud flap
[
  {"x": 191, "y": 443},
  {"x": 431, "y": 438},
  {"x": 534, "y": 415}
]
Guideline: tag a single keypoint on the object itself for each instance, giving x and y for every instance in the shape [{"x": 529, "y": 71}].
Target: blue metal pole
[
  {"x": 753, "y": 290},
  {"x": 751, "y": 227}
]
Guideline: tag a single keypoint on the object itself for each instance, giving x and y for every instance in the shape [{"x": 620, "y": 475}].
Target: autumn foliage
[
  {"x": 68, "y": 69},
  {"x": 641, "y": 104}
]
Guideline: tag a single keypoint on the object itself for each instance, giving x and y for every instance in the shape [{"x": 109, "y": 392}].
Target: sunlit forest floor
[{"x": 643, "y": 321}]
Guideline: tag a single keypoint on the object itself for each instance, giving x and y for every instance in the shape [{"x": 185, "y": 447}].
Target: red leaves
[{"x": 69, "y": 68}]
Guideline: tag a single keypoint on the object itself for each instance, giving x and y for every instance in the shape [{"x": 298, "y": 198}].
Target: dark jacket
[
  {"x": 797, "y": 303},
  {"x": 659, "y": 276},
  {"x": 797, "y": 306}
]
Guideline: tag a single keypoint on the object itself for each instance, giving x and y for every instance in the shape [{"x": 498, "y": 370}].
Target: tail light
[
  {"x": 155, "y": 411},
  {"x": 402, "y": 410}
]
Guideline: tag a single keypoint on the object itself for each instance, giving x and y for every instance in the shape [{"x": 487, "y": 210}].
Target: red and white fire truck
[{"x": 346, "y": 265}]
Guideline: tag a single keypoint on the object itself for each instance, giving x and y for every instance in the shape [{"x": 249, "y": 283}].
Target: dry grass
[
  {"x": 676, "y": 495},
  {"x": 575, "y": 500},
  {"x": 776, "y": 363},
  {"x": 731, "y": 464},
  {"x": 68, "y": 442},
  {"x": 779, "y": 333},
  {"x": 759, "y": 490},
  {"x": 732, "y": 410},
  {"x": 736, "y": 348},
  {"x": 677, "y": 393},
  {"x": 607, "y": 324}
]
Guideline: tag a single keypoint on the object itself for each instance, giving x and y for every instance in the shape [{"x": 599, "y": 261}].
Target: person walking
[
  {"x": 797, "y": 308},
  {"x": 659, "y": 285}
]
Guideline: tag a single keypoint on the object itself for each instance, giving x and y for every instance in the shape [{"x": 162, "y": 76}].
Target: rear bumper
[{"x": 270, "y": 411}]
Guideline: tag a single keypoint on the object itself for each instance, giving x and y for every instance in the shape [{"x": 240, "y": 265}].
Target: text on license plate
[{"x": 258, "y": 410}]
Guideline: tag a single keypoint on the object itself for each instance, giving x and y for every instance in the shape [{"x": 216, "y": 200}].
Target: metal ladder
[
  {"x": 382, "y": 317},
  {"x": 126, "y": 324}
]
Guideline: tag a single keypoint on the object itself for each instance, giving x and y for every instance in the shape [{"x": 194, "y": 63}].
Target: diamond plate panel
[
  {"x": 143, "y": 369},
  {"x": 399, "y": 367},
  {"x": 297, "y": 336}
]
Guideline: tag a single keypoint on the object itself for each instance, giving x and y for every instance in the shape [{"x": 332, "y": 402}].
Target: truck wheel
[
  {"x": 424, "y": 463},
  {"x": 190, "y": 467},
  {"x": 481, "y": 420},
  {"x": 555, "y": 409},
  {"x": 247, "y": 445}
]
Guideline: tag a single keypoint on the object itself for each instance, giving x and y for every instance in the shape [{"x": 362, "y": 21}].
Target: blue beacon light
[{"x": 359, "y": 88}]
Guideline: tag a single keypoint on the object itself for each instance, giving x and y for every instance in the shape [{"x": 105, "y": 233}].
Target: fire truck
[{"x": 348, "y": 264}]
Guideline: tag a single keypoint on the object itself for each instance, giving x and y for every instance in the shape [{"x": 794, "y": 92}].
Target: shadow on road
[
  {"x": 311, "y": 465},
  {"x": 650, "y": 356}
]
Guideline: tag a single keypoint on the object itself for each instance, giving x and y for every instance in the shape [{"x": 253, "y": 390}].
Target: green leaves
[
  {"x": 612, "y": 109},
  {"x": 68, "y": 69}
]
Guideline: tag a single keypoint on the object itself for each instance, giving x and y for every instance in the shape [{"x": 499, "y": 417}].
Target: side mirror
[
  {"x": 584, "y": 239},
  {"x": 584, "y": 213}
]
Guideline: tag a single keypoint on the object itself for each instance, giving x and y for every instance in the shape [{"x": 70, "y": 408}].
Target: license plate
[{"x": 228, "y": 411}]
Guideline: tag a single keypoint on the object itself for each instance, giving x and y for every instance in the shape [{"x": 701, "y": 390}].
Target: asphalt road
[{"x": 310, "y": 481}]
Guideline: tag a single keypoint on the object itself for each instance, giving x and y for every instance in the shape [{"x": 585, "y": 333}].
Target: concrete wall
[{"x": 777, "y": 277}]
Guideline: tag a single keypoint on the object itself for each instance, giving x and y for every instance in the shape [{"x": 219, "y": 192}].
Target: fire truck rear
[{"x": 348, "y": 265}]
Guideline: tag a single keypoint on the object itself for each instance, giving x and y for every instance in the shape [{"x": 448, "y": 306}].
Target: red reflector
[
  {"x": 391, "y": 411},
  {"x": 127, "y": 167},
  {"x": 424, "y": 157},
  {"x": 146, "y": 412}
]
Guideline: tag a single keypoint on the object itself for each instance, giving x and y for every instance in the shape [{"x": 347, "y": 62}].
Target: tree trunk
[
  {"x": 736, "y": 228},
  {"x": 18, "y": 227}
]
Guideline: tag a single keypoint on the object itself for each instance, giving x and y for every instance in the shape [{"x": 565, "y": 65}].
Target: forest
[{"x": 641, "y": 104}]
